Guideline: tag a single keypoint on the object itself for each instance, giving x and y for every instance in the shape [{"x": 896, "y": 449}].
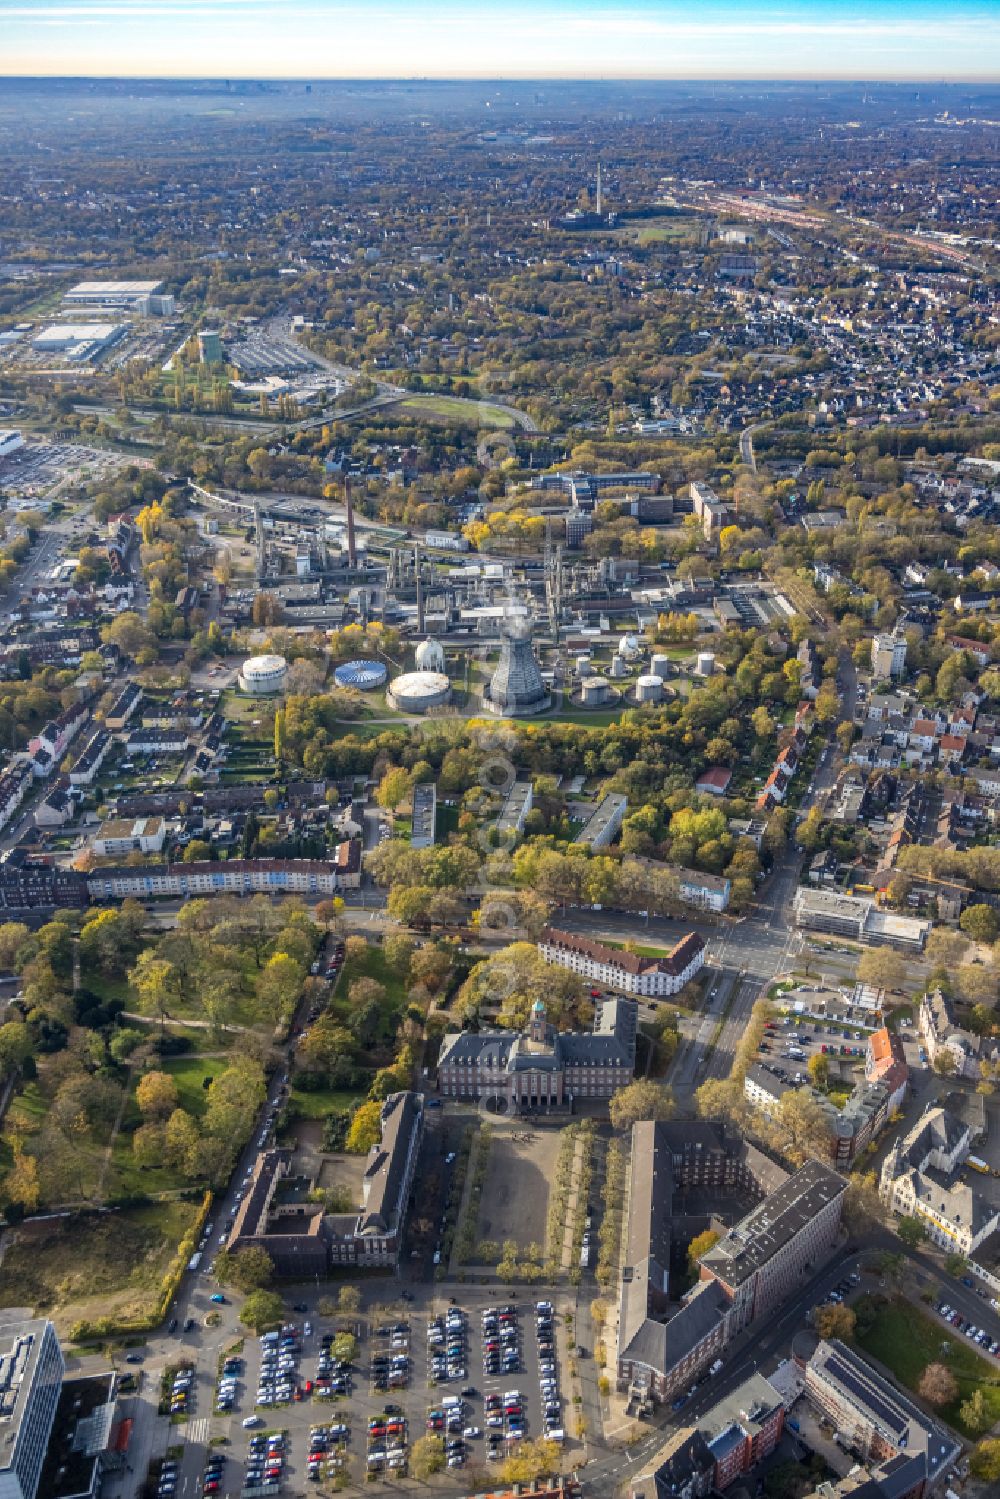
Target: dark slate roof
[
  {"x": 661, "y": 1345},
  {"x": 386, "y": 1168}
]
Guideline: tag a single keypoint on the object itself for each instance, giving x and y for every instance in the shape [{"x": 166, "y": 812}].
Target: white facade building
[{"x": 631, "y": 973}]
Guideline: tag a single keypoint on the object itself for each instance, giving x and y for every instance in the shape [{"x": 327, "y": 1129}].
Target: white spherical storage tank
[
  {"x": 429, "y": 655},
  {"x": 264, "y": 674},
  {"x": 648, "y": 689},
  {"x": 419, "y": 691}
]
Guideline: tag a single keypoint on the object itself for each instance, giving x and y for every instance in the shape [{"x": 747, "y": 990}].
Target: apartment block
[{"x": 633, "y": 973}]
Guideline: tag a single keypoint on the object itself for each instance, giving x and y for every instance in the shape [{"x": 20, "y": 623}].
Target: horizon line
[{"x": 611, "y": 77}]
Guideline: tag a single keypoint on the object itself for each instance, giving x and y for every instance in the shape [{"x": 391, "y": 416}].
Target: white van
[{"x": 195, "y": 1260}]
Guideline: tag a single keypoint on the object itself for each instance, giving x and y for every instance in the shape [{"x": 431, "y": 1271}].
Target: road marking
[{"x": 197, "y": 1431}]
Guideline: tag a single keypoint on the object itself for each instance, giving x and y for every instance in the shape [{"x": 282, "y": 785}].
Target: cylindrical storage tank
[
  {"x": 264, "y": 674},
  {"x": 706, "y": 663},
  {"x": 363, "y": 676},
  {"x": 659, "y": 666},
  {"x": 649, "y": 689},
  {"x": 419, "y": 691},
  {"x": 617, "y": 666},
  {"x": 582, "y": 665},
  {"x": 593, "y": 692}
]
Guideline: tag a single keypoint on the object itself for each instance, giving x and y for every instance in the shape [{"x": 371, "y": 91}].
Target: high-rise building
[
  {"x": 888, "y": 656},
  {"x": 31, "y": 1375},
  {"x": 210, "y": 347}
]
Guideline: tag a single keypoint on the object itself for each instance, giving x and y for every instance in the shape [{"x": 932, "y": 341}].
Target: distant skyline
[{"x": 888, "y": 39}]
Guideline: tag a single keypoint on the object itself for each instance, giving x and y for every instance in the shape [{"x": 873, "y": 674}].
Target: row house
[
  {"x": 225, "y": 877},
  {"x": 91, "y": 759},
  {"x": 14, "y": 784},
  {"x": 123, "y": 707},
  {"x": 50, "y": 744}
]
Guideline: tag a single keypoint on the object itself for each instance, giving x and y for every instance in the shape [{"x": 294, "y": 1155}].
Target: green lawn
[
  {"x": 446, "y": 822},
  {"x": 190, "y": 1074},
  {"x": 454, "y": 409},
  {"x": 372, "y": 965},
  {"x": 317, "y": 1105},
  {"x": 906, "y": 1340},
  {"x": 599, "y": 718}
]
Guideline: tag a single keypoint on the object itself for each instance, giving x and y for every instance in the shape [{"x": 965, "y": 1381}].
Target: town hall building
[{"x": 542, "y": 1068}]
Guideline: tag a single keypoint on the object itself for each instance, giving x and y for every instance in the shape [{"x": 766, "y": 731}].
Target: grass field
[
  {"x": 672, "y": 229},
  {"x": 455, "y": 410},
  {"x": 445, "y": 822},
  {"x": 318, "y": 1104},
  {"x": 93, "y": 1265},
  {"x": 190, "y": 1074},
  {"x": 906, "y": 1340},
  {"x": 599, "y": 718},
  {"x": 372, "y": 965}
]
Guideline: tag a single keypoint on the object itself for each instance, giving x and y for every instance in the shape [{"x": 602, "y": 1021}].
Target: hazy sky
[{"x": 521, "y": 38}]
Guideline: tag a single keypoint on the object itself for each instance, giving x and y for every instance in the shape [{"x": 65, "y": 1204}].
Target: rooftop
[{"x": 773, "y": 1223}]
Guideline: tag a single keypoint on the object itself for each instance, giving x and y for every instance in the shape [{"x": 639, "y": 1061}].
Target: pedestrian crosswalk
[{"x": 197, "y": 1431}]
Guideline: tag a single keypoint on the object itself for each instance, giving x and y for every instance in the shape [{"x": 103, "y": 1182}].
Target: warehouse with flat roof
[{"x": 111, "y": 293}]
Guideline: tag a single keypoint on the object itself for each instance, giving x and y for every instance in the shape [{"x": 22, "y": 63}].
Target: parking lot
[
  {"x": 483, "y": 1373},
  {"x": 788, "y": 1046},
  {"x": 37, "y": 468}
]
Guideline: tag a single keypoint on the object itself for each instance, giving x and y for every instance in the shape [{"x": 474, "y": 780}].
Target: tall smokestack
[
  {"x": 420, "y": 590},
  {"x": 352, "y": 551}
]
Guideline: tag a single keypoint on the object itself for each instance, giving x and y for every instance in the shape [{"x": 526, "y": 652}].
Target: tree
[
  {"x": 345, "y": 1346},
  {"x": 147, "y": 1144},
  {"x": 16, "y": 1046},
  {"x": 862, "y": 1204},
  {"x": 882, "y": 967},
  {"x": 984, "y": 1460},
  {"x": 261, "y": 1310},
  {"x": 944, "y": 1062},
  {"x": 394, "y": 787},
  {"x": 955, "y": 1264},
  {"x": 938, "y": 1386},
  {"x": 981, "y": 923},
  {"x": 699, "y": 1245},
  {"x": 974, "y": 1415},
  {"x": 803, "y": 1117},
  {"x": 819, "y": 1069},
  {"x": 832, "y": 1320},
  {"x": 349, "y": 1299},
  {"x": 249, "y": 1269},
  {"x": 531, "y": 1460},
  {"x": 643, "y": 1099},
  {"x": 366, "y": 1128},
  {"x": 911, "y": 1230},
  {"x": 21, "y": 1183},
  {"x": 156, "y": 1095},
  {"x": 278, "y": 986},
  {"x": 180, "y": 1136},
  {"x": 426, "y": 1457},
  {"x": 133, "y": 637}
]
